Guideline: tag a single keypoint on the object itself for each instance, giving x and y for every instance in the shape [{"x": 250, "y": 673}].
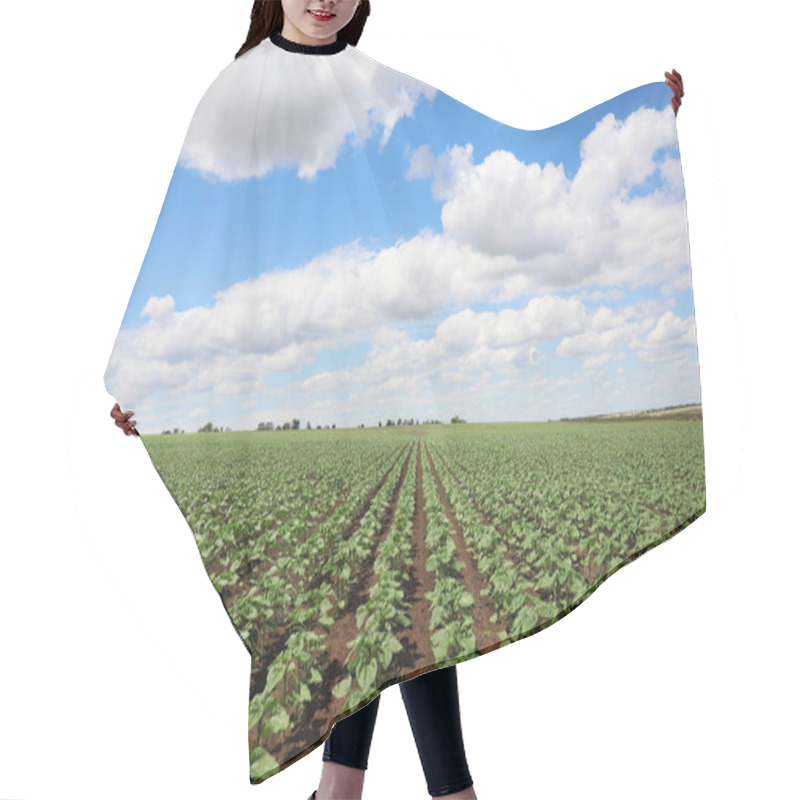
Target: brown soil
[{"x": 488, "y": 635}]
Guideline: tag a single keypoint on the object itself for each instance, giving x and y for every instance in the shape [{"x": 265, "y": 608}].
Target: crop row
[
  {"x": 286, "y": 695},
  {"x": 517, "y": 608},
  {"x": 383, "y": 615},
  {"x": 452, "y": 631}
]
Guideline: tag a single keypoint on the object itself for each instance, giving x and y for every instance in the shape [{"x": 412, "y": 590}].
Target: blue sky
[
  {"x": 195, "y": 228},
  {"x": 426, "y": 261}
]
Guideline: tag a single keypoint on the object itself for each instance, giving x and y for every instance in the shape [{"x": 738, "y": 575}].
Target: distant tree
[
  {"x": 286, "y": 426},
  {"x": 399, "y": 421},
  {"x": 207, "y": 428},
  {"x": 295, "y": 424},
  {"x": 333, "y": 425},
  {"x": 456, "y": 419},
  {"x": 319, "y": 427},
  {"x": 380, "y": 424},
  {"x": 308, "y": 425},
  {"x": 389, "y": 423}
]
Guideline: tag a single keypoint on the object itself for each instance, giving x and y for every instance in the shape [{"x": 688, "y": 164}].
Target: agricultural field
[{"x": 351, "y": 559}]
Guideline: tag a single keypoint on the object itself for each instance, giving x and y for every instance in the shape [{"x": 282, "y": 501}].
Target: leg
[
  {"x": 345, "y": 755},
  {"x": 433, "y": 710}
]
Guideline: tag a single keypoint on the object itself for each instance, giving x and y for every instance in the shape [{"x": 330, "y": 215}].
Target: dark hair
[{"x": 266, "y": 18}]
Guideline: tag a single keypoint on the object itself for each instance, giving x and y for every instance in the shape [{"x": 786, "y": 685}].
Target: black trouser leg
[
  {"x": 351, "y": 737},
  {"x": 432, "y": 706}
]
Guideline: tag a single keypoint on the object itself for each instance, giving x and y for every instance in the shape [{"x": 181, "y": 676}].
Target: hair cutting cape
[{"x": 418, "y": 381}]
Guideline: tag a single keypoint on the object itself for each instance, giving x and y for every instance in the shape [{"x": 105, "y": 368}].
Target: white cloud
[
  {"x": 567, "y": 234},
  {"x": 281, "y": 321},
  {"x": 595, "y": 362},
  {"x": 269, "y": 109},
  {"x": 466, "y": 349},
  {"x": 159, "y": 308},
  {"x": 421, "y": 162},
  {"x": 671, "y": 173},
  {"x": 671, "y": 339},
  {"x": 543, "y": 319},
  {"x": 593, "y": 342},
  {"x": 618, "y": 154},
  {"x": 448, "y": 170},
  {"x": 511, "y": 230}
]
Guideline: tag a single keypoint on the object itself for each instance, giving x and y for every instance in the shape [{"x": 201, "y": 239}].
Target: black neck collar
[{"x": 309, "y": 49}]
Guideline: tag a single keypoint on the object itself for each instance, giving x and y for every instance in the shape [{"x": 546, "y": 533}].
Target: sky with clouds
[{"x": 343, "y": 244}]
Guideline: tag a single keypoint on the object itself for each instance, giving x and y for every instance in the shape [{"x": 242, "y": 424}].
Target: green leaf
[
  {"x": 343, "y": 687},
  {"x": 262, "y": 764},
  {"x": 366, "y": 674},
  {"x": 276, "y": 672}
]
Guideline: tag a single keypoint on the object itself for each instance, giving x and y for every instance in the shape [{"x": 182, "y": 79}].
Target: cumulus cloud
[
  {"x": 159, "y": 308},
  {"x": 595, "y": 341},
  {"x": 542, "y": 319},
  {"x": 596, "y": 362},
  {"x": 671, "y": 339},
  {"x": 511, "y": 230},
  {"x": 448, "y": 171},
  {"x": 270, "y": 109},
  {"x": 281, "y": 321},
  {"x": 465, "y": 349},
  {"x": 566, "y": 234}
]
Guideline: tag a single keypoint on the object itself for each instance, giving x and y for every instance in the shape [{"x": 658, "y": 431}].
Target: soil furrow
[
  {"x": 488, "y": 635},
  {"x": 344, "y": 628},
  {"x": 420, "y": 581}
]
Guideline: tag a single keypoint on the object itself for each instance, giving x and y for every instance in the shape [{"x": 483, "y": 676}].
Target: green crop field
[{"x": 349, "y": 559}]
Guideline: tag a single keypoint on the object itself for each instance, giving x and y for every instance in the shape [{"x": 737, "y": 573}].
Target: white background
[{"x": 121, "y": 675}]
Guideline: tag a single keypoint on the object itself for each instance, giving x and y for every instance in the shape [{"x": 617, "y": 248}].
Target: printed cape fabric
[{"x": 418, "y": 381}]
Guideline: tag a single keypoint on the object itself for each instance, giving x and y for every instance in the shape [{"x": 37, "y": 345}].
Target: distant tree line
[
  {"x": 294, "y": 425},
  {"x": 400, "y": 421},
  {"x": 679, "y": 413},
  {"x": 210, "y": 428},
  {"x": 290, "y": 426}
]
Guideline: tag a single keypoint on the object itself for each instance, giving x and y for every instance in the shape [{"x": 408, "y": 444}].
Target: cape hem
[{"x": 482, "y": 651}]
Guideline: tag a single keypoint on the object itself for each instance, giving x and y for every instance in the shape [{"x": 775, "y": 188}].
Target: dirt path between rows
[
  {"x": 345, "y": 628},
  {"x": 488, "y": 635}
]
